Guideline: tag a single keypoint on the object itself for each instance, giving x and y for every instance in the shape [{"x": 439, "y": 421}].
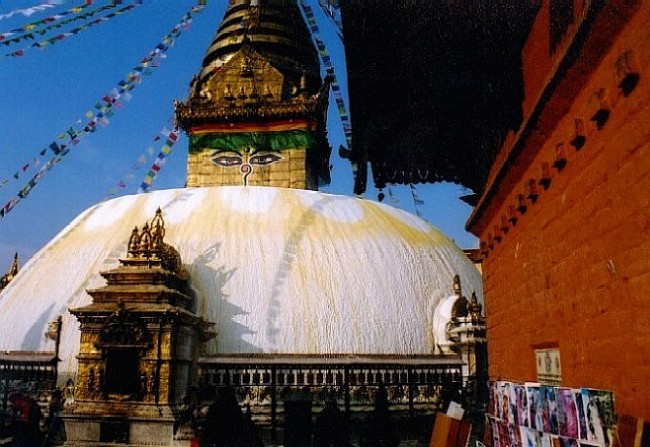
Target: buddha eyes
[
  {"x": 264, "y": 159},
  {"x": 227, "y": 160},
  {"x": 235, "y": 159}
]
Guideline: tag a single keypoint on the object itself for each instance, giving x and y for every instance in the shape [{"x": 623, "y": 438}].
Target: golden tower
[
  {"x": 139, "y": 343},
  {"x": 257, "y": 109}
]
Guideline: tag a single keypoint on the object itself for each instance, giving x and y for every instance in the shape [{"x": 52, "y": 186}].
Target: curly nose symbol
[{"x": 245, "y": 169}]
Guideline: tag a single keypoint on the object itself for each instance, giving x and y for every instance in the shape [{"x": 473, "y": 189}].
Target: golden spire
[
  {"x": 259, "y": 93},
  {"x": 11, "y": 273},
  {"x": 147, "y": 248}
]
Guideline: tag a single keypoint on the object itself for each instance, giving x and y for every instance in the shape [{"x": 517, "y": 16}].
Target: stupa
[{"x": 279, "y": 290}]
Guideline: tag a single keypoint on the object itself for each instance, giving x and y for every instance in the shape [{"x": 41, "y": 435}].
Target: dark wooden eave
[{"x": 434, "y": 86}]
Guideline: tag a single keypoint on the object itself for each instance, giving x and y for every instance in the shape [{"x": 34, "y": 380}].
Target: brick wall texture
[{"x": 574, "y": 271}]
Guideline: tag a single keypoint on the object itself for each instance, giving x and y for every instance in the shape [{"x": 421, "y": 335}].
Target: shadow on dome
[
  {"x": 208, "y": 285},
  {"x": 35, "y": 332}
]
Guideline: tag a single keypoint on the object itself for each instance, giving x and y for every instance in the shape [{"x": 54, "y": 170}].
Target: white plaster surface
[{"x": 278, "y": 271}]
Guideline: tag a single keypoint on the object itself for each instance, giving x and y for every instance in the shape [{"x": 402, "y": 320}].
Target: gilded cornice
[{"x": 196, "y": 112}]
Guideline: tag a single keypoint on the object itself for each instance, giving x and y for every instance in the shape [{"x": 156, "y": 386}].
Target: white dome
[{"x": 278, "y": 270}]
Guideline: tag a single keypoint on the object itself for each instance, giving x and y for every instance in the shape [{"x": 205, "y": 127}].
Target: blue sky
[{"x": 45, "y": 92}]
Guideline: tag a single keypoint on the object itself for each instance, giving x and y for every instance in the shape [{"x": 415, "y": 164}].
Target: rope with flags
[
  {"x": 161, "y": 159},
  {"x": 51, "y": 41},
  {"x": 27, "y": 31},
  {"x": 27, "y": 12},
  {"x": 331, "y": 9},
  {"x": 106, "y": 108},
  {"x": 329, "y": 68},
  {"x": 139, "y": 163}
]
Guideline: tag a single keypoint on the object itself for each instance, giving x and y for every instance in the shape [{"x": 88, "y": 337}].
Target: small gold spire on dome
[
  {"x": 145, "y": 241},
  {"x": 475, "y": 308},
  {"x": 456, "y": 285},
  {"x": 460, "y": 307},
  {"x": 134, "y": 243},
  {"x": 147, "y": 248},
  {"x": 13, "y": 270},
  {"x": 11, "y": 273},
  {"x": 158, "y": 231}
]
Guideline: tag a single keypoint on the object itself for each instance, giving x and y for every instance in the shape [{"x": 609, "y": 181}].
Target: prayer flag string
[
  {"x": 51, "y": 22},
  {"x": 51, "y": 41},
  {"x": 331, "y": 9},
  {"x": 161, "y": 159},
  {"x": 329, "y": 68},
  {"x": 105, "y": 107},
  {"x": 140, "y": 161},
  {"x": 27, "y": 12}
]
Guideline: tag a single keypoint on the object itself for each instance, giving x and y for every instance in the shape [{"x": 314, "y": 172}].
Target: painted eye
[
  {"x": 227, "y": 160},
  {"x": 264, "y": 159}
]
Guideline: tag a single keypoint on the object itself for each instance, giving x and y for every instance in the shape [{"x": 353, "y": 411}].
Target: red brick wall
[
  {"x": 575, "y": 269},
  {"x": 538, "y": 61}
]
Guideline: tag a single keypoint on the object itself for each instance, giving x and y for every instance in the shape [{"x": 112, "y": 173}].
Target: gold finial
[
  {"x": 475, "y": 308},
  {"x": 145, "y": 240},
  {"x": 158, "y": 224},
  {"x": 148, "y": 243},
  {"x": 13, "y": 270},
  {"x": 134, "y": 243},
  {"x": 11, "y": 273},
  {"x": 157, "y": 232},
  {"x": 456, "y": 286},
  {"x": 460, "y": 306}
]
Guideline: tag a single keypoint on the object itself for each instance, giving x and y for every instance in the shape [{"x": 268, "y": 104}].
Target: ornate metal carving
[
  {"x": 124, "y": 330},
  {"x": 11, "y": 273}
]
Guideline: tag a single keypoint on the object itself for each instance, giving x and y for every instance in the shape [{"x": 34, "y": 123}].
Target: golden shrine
[{"x": 139, "y": 343}]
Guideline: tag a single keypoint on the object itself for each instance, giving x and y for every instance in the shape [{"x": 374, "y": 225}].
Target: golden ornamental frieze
[
  {"x": 123, "y": 329},
  {"x": 188, "y": 115}
]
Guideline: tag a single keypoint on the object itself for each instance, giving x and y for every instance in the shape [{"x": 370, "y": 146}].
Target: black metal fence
[{"x": 279, "y": 391}]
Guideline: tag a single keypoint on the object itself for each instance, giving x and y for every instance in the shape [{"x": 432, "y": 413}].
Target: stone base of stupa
[{"x": 95, "y": 424}]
